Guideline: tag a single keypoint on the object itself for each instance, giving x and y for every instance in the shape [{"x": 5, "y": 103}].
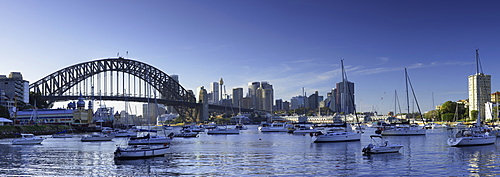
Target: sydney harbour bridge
[{"x": 120, "y": 79}]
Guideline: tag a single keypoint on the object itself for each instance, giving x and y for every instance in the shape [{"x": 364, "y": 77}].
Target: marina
[{"x": 256, "y": 153}]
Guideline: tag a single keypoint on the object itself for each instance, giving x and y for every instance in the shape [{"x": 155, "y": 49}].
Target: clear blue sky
[{"x": 290, "y": 44}]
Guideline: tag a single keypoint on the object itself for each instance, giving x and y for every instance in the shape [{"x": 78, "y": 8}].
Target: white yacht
[
  {"x": 222, "y": 129},
  {"x": 274, "y": 127},
  {"x": 476, "y": 135},
  {"x": 27, "y": 139},
  {"x": 338, "y": 136},
  {"x": 402, "y": 130},
  {"x": 151, "y": 139},
  {"x": 305, "y": 130},
  {"x": 125, "y": 133},
  {"x": 97, "y": 137}
]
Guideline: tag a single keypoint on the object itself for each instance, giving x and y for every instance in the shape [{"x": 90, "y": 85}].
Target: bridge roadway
[{"x": 218, "y": 108}]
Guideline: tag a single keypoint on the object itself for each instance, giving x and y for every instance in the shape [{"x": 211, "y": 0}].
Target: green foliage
[
  {"x": 432, "y": 115},
  {"x": 448, "y": 107},
  {"x": 473, "y": 115},
  {"x": 447, "y": 116}
]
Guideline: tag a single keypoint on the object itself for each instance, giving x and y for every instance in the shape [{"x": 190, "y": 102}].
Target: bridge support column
[{"x": 203, "y": 115}]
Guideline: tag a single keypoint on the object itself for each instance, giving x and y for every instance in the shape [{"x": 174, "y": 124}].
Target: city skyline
[{"x": 292, "y": 45}]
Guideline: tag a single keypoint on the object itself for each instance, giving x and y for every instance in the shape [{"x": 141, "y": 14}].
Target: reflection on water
[{"x": 253, "y": 153}]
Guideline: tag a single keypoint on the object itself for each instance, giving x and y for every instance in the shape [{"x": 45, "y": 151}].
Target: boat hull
[
  {"x": 140, "y": 152},
  {"x": 337, "y": 137},
  {"x": 382, "y": 149},
  {"x": 471, "y": 141},
  {"x": 160, "y": 140},
  {"x": 403, "y": 132},
  {"x": 221, "y": 132},
  {"x": 89, "y": 139},
  {"x": 27, "y": 141}
]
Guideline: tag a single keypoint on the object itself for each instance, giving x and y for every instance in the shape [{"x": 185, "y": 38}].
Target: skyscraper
[
  {"x": 344, "y": 97},
  {"x": 252, "y": 93},
  {"x": 214, "y": 90}
]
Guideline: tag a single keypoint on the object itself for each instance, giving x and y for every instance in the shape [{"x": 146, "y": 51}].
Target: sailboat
[
  {"x": 405, "y": 128},
  {"x": 476, "y": 135},
  {"x": 339, "y": 136}
]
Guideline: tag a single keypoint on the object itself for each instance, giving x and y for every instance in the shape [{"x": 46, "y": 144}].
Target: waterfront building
[
  {"x": 237, "y": 97},
  {"x": 81, "y": 115},
  {"x": 44, "y": 116},
  {"x": 479, "y": 90}
]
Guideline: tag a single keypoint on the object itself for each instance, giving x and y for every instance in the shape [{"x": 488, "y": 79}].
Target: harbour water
[{"x": 253, "y": 153}]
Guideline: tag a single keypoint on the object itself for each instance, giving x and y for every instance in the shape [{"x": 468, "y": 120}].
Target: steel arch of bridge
[{"x": 54, "y": 85}]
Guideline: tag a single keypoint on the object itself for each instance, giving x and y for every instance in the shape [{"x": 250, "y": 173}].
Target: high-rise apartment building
[
  {"x": 13, "y": 88},
  {"x": 479, "y": 93},
  {"x": 237, "y": 97}
]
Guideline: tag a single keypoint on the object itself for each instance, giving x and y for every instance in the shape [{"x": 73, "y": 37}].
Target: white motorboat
[
  {"x": 275, "y": 127},
  {"x": 149, "y": 139},
  {"x": 140, "y": 151},
  {"x": 381, "y": 147},
  {"x": 27, "y": 139},
  {"x": 305, "y": 130},
  {"x": 222, "y": 129},
  {"x": 402, "y": 130},
  {"x": 125, "y": 133},
  {"x": 241, "y": 127},
  {"x": 97, "y": 137}
]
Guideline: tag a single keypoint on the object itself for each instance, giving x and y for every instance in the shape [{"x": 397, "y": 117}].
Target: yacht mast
[{"x": 478, "y": 120}]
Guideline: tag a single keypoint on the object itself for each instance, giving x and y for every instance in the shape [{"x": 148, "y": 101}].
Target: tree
[
  {"x": 473, "y": 115},
  {"x": 447, "y": 116},
  {"x": 448, "y": 107},
  {"x": 432, "y": 114}
]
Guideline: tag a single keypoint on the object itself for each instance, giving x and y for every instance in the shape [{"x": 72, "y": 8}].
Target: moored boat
[
  {"x": 140, "y": 151},
  {"x": 381, "y": 147},
  {"x": 151, "y": 139},
  {"x": 27, "y": 139},
  {"x": 222, "y": 129},
  {"x": 97, "y": 137}
]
